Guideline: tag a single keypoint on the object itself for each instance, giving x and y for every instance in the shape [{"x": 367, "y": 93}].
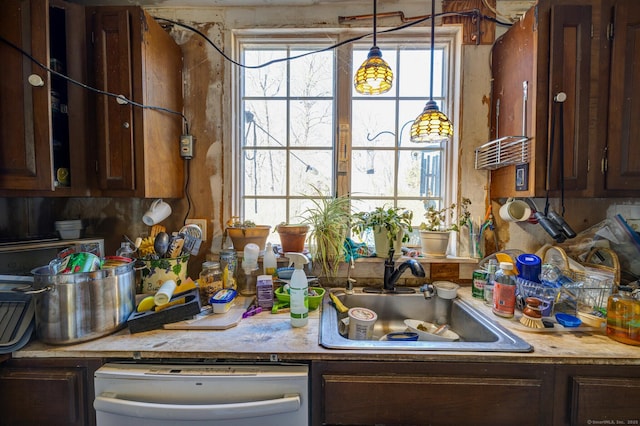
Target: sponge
[{"x": 338, "y": 304}]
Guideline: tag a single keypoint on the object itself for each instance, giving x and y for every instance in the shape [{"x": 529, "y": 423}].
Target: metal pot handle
[{"x": 31, "y": 290}]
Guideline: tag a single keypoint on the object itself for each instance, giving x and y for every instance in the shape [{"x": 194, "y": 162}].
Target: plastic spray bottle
[{"x": 298, "y": 290}]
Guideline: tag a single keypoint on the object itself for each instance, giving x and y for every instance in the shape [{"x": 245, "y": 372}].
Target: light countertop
[{"x": 267, "y": 336}]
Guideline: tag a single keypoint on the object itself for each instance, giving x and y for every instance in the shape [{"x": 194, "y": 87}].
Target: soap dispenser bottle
[{"x": 298, "y": 290}]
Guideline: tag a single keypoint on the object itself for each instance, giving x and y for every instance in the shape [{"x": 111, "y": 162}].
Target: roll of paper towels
[{"x": 164, "y": 293}]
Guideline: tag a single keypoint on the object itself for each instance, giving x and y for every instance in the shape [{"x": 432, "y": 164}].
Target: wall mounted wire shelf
[{"x": 502, "y": 152}]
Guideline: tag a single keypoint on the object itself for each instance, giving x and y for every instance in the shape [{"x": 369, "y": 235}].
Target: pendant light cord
[
  {"x": 375, "y": 23},
  {"x": 433, "y": 34}
]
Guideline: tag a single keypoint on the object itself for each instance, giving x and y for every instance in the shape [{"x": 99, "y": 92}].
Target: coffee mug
[
  {"x": 158, "y": 212},
  {"x": 515, "y": 210}
]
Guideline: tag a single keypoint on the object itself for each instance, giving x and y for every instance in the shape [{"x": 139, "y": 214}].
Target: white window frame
[{"x": 448, "y": 37}]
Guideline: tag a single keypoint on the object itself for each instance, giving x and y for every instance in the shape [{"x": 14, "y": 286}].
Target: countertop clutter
[{"x": 266, "y": 335}]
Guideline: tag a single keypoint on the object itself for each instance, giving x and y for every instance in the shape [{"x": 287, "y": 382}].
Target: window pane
[
  {"x": 265, "y": 212},
  {"x": 309, "y": 168},
  {"x": 268, "y": 81},
  {"x": 263, "y": 173},
  {"x": 372, "y": 118},
  {"x": 413, "y": 76},
  {"x": 312, "y": 75},
  {"x": 264, "y": 123},
  {"x": 312, "y": 123},
  {"x": 373, "y": 173}
]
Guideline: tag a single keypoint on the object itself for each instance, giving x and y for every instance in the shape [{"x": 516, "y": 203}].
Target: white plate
[{"x": 447, "y": 336}]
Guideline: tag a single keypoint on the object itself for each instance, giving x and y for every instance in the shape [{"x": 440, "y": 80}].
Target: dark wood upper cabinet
[
  {"x": 583, "y": 146},
  {"x": 138, "y": 147},
  {"x": 39, "y": 151}
]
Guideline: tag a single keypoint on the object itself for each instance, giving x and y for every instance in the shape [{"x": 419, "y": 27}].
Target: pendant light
[
  {"x": 432, "y": 125},
  {"x": 374, "y": 76}
]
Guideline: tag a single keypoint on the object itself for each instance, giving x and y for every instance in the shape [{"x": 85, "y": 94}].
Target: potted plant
[
  {"x": 328, "y": 219},
  {"x": 438, "y": 224},
  {"x": 390, "y": 226},
  {"x": 292, "y": 236},
  {"x": 245, "y": 232}
]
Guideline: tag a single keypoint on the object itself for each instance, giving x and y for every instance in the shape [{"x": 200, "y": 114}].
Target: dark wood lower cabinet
[
  {"x": 47, "y": 392},
  {"x": 432, "y": 393}
]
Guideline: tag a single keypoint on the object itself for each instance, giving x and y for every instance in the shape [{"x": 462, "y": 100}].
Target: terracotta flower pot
[
  {"x": 242, "y": 236},
  {"x": 292, "y": 237}
]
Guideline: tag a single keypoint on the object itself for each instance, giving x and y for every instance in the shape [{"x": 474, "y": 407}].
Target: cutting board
[{"x": 211, "y": 321}]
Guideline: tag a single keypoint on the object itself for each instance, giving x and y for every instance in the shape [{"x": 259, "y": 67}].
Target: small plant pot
[
  {"x": 292, "y": 237},
  {"x": 242, "y": 236},
  {"x": 434, "y": 243}
]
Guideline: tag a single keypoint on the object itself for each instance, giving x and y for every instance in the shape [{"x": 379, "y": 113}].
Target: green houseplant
[
  {"x": 436, "y": 229},
  {"x": 329, "y": 222},
  {"x": 390, "y": 226}
]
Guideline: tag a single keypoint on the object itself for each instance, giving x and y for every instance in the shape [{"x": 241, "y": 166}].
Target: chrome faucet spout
[{"x": 391, "y": 274}]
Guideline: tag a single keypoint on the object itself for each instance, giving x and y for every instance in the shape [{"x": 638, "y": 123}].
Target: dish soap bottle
[
  {"x": 504, "y": 291},
  {"x": 298, "y": 290},
  {"x": 269, "y": 262}
]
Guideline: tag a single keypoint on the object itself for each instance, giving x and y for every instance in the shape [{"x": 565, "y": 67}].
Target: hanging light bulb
[
  {"x": 374, "y": 76},
  {"x": 431, "y": 125}
]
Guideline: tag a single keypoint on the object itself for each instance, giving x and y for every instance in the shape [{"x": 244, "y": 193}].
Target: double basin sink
[{"x": 477, "y": 331}]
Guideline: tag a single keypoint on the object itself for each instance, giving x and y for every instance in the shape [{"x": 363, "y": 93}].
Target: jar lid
[
  {"x": 225, "y": 295},
  {"x": 210, "y": 264}
]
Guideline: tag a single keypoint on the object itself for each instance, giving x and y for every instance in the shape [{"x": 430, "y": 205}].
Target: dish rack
[
  {"x": 591, "y": 287},
  {"x": 502, "y": 152}
]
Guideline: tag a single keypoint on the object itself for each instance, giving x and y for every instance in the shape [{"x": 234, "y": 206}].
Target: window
[{"x": 302, "y": 125}]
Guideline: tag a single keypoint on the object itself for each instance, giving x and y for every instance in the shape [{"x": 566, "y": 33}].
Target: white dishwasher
[{"x": 202, "y": 394}]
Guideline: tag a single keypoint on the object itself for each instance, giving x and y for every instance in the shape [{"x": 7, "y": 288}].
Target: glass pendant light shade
[
  {"x": 374, "y": 75},
  {"x": 431, "y": 126}
]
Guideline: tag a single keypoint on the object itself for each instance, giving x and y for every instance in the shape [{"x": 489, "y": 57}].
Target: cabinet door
[
  {"x": 364, "y": 393},
  {"x": 112, "y": 44},
  {"x": 623, "y": 163},
  {"x": 26, "y": 158},
  {"x": 47, "y": 392}
]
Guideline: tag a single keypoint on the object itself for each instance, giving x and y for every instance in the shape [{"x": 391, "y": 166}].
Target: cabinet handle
[
  {"x": 35, "y": 80},
  {"x": 125, "y": 125}
]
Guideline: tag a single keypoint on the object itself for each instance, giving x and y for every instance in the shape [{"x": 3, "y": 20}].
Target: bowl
[
  {"x": 69, "y": 229},
  {"x": 446, "y": 289},
  {"x": 285, "y": 273},
  {"x": 400, "y": 336},
  {"x": 314, "y": 301},
  {"x": 447, "y": 336}
]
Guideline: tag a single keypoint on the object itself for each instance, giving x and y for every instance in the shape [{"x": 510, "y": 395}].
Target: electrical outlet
[
  {"x": 186, "y": 146},
  {"x": 202, "y": 224}
]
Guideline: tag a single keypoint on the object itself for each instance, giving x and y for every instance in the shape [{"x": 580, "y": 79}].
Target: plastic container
[
  {"x": 529, "y": 267},
  {"x": 623, "y": 317},
  {"x": 264, "y": 291},
  {"x": 504, "y": 291},
  {"x": 269, "y": 262},
  {"x": 210, "y": 281},
  {"x": 222, "y": 300},
  {"x": 228, "y": 264},
  {"x": 488, "y": 286}
]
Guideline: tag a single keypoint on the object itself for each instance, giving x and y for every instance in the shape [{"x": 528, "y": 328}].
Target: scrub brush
[
  {"x": 531, "y": 316},
  {"x": 531, "y": 322}
]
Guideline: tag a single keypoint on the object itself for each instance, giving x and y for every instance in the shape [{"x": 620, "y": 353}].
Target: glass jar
[
  {"x": 210, "y": 281},
  {"x": 623, "y": 317}
]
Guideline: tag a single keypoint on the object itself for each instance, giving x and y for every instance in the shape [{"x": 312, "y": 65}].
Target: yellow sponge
[{"x": 338, "y": 304}]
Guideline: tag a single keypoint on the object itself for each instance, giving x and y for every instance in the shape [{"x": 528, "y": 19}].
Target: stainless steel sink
[{"x": 477, "y": 331}]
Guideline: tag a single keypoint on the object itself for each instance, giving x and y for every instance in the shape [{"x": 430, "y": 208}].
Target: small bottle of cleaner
[
  {"x": 264, "y": 291},
  {"x": 269, "y": 262},
  {"x": 298, "y": 291}
]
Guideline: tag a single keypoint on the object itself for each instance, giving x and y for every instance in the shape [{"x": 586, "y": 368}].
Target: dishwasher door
[{"x": 212, "y": 394}]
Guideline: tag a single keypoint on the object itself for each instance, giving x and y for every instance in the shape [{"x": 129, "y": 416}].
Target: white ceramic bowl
[
  {"x": 447, "y": 336},
  {"x": 446, "y": 289}
]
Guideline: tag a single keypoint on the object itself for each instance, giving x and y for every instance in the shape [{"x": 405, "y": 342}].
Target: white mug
[
  {"x": 515, "y": 210},
  {"x": 158, "y": 212}
]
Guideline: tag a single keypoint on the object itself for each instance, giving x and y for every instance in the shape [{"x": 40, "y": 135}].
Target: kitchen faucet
[{"x": 391, "y": 274}]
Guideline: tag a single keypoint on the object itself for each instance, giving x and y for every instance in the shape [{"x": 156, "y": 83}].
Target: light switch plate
[{"x": 522, "y": 177}]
